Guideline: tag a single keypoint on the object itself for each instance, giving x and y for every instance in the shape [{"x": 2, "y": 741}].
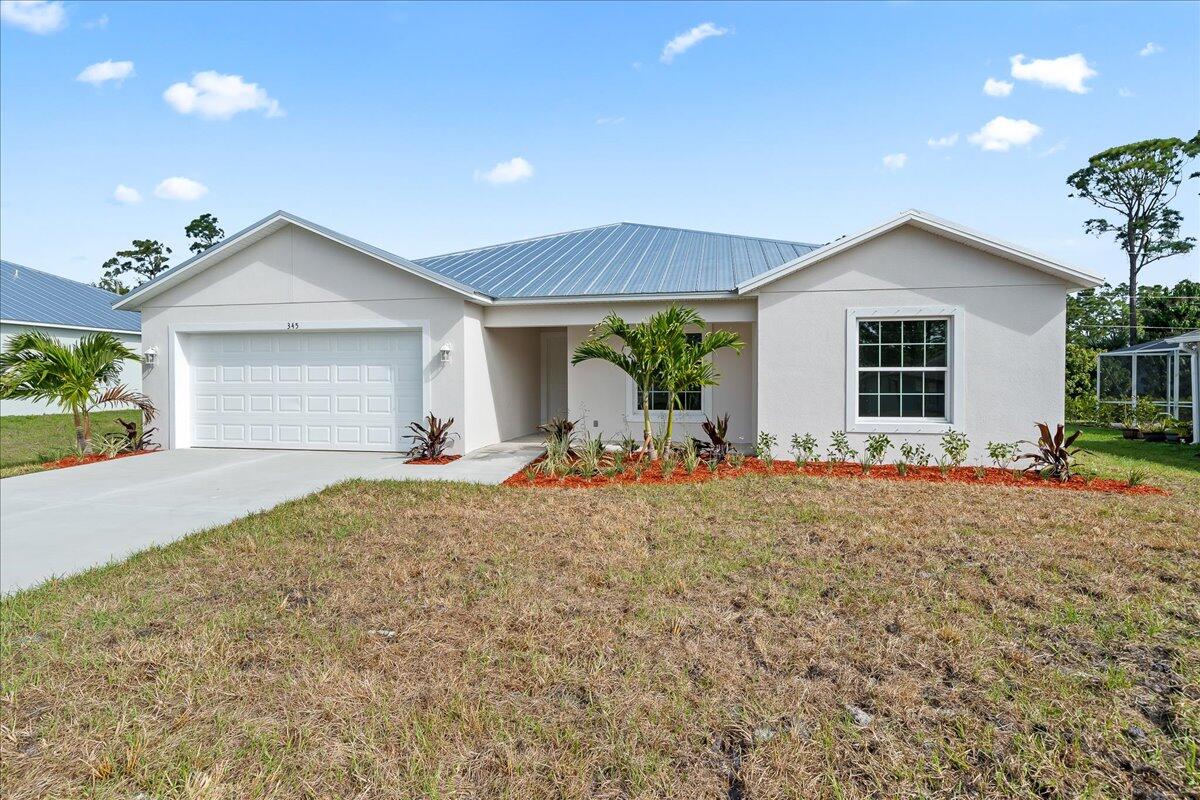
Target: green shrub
[
  {"x": 765, "y": 449},
  {"x": 839, "y": 447},
  {"x": 804, "y": 448}
]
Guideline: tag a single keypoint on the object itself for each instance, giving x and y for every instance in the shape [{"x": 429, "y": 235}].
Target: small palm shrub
[
  {"x": 432, "y": 439},
  {"x": 689, "y": 456},
  {"x": 1136, "y": 477},
  {"x": 589, "y": 454},
  {"x": 1052, "y": 455},
  {"x": 765, "y": 448},
  {"x": 839, "y": 447},
  {"x": 735, "y": 459},
  {"x": 875, "y": 451},
  {"x": 804, "y": 448},
  {"x": 712, "y": 465},
  {"x": 668, "y": 466}
]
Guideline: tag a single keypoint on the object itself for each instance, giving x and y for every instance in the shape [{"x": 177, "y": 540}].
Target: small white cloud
[
  {"x": 1066, "y": 72},
  {"x": 1055, "y": 148},
  {"x": 637, "y": 65},
  {"x": 180, "y": 189},
  {"x": 943, "y": 141},
  {"x": 126, "y": 195},
  {"x": 1123, "y": 92},
  {"x": 215, "y": 96},
  {"x": 609, "y": 120},
  {"x": 514, "y": 170},
  {"x": 105, "y": 71},
  {"x": 1002, "y": 133},
  {"x": 35, "y": 16},
  {"x": 99, "y": 22},
  {"x": 995, "y": 88},
  {"x": 689, "y": 39},
  {"x": 895, "y": 161},
  {"x": 1151, "y": 49}
]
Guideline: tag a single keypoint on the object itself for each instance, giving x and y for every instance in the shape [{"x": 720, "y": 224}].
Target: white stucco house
[
  {"x": 68, "y": 310},
  {"x": 290, "y": 335}
]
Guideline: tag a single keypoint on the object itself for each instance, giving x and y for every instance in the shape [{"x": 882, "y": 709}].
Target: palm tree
[
  {"x": 688, "y": 364},
  {"x": 78, "y": 377},
  {"x": 643, "y": 347}
]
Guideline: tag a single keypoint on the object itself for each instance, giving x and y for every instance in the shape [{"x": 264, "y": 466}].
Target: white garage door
[{"x": 304, "y": 391}]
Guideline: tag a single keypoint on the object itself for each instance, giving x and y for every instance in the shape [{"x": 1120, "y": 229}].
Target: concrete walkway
[{"x": 64, "y": 521}]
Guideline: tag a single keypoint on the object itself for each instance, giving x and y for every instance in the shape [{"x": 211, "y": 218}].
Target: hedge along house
[
  {"x": 290, "y": 335},
  {"x": 67, "y": 310}
]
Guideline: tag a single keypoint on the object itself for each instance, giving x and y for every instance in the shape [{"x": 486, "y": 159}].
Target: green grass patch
[{"x": 26, "y": 442}]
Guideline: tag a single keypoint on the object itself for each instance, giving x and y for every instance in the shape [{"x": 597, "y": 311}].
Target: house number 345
[{"x": 293, "y": 326}]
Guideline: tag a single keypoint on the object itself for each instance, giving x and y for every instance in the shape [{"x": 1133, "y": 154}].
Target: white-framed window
[
  {"x": 693, "y": 403},
  {"x": 904, "y": 369}
]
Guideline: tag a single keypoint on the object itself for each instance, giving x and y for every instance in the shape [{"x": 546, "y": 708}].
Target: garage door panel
[{"x": 346, "y": 390}]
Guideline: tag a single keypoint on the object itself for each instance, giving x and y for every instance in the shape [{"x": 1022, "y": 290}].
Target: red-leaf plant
[{"x": 1053, "y": 456}]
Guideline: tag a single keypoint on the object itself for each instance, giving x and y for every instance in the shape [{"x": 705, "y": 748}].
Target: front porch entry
[{"x": 554, "y": 363}]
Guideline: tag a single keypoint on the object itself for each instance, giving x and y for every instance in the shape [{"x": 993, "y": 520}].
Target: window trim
[
  {"x": 634, "y": 414},
  {"x": 955, "y": 379}
]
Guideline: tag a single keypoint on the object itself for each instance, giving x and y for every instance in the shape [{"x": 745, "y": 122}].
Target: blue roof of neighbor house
[
  {"x": 619, "y": 259},
  {"x": 30, "y": 295}
]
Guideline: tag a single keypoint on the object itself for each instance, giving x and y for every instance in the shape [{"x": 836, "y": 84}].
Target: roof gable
[
  {"x": 31, "y": 295},
  {"x": 940, "y": 227},
  {"x": 264, "y": 228}
]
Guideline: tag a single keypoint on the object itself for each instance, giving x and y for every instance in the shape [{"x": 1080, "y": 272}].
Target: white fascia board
[
  {"x": 226, "y": 247},
  {"x": 66, "y": 327},
  {"x": 615, "y": 298},
  {"x": 941, "y": 227}
]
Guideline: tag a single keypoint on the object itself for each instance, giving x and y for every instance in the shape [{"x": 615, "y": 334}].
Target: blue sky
[{"x": 385, "y": 120}]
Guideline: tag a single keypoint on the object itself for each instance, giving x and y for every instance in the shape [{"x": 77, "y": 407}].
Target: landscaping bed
[
  {"x": 94, "y": 458},
  {"x": 435, "y": 460},
  {"x": 652, "y": 472}
]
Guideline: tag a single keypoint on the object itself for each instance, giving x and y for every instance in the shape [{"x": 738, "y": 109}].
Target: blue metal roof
[
  {"x": 30, "y": 295},
  {"x": 619, "y": 259}
]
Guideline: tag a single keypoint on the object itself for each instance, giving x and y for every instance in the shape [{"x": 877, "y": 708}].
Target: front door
[{"x": 554, "y": 374}]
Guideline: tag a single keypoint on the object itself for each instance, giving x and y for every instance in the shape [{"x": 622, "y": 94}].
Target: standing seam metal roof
[
  {"x": 30, "y": 295},
  {"x": 622, "y": 258}
]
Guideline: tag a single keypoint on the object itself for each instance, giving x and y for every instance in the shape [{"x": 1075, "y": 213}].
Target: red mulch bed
[
  {"x": 438, "y": 460},
  {"x": 76, "y": 461},
  {"x": 991, "y": 476}
]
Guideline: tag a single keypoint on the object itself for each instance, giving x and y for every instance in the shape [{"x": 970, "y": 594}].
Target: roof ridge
[
  {"x": 718, "y": 233},
  {"x": 17, "y": 266},
  {"x": 481, "y": 248}
]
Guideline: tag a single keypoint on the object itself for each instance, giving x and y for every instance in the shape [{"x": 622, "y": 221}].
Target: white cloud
[
  {"x": 1066, "y": 72},
  {"x": 609, "y": 120},
  {"x": 895, "y": 161},
  {"x": 180, "y": 189},
  {"x": 1151, "y": 49},
  {"x": 126, "y": 195},
  {"x": 215, "y": 96},
  {"x": 1002, "y": 133},
  {"x": 686, "y": 41},
  {"x": 943, "y": 141},
  {"x": 104, "y": 71},
  {"x": 1055, "y": 148},
  {"x": 35, "y": 16},
  {"x": 512, "y": 171},
  {"x": 1123, "y": 92},
  {"x": 99, "y": 22},
  {"x": 995, "y": 88}
]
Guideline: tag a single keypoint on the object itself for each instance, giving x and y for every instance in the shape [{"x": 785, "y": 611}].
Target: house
[
  {"x": 67, "y": 310},
  {"x": 290, "y": 335}
]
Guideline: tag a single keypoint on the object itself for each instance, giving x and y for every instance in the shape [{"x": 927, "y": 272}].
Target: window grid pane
[{"x": 902, "y": 368}]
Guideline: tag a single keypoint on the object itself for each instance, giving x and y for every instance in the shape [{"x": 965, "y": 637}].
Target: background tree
[
  {"x": 1138, "y": 182},
  {"x": 79, "y": 377},
  {"x": 146, "y": 259},
  {"x": 113, "y": 285},
  {"x": 203, "y": 232}
]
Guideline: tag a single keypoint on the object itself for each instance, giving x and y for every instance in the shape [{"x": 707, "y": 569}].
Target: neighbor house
[
  {"x": 32, "y": 300},
  {"x": 290, "y": 335}
]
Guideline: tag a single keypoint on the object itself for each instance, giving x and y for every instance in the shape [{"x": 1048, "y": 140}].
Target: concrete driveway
[{"x": 64, "y": 521}]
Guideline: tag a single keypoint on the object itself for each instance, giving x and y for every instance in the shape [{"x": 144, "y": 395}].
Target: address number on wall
[{"x": 293, "y": 326}]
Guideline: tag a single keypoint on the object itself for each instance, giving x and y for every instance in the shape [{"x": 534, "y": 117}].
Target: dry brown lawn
[{"x": 751, "y": 638}]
